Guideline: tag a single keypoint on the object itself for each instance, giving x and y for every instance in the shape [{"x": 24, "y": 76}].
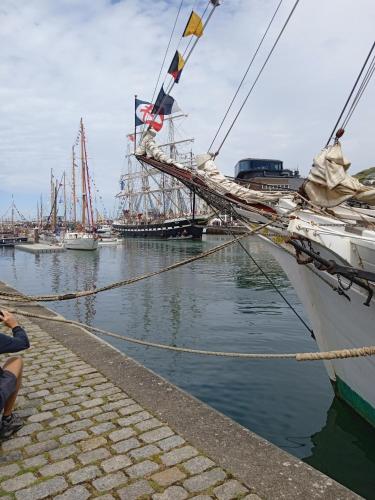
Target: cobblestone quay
[{"x": 99, "y": 425}]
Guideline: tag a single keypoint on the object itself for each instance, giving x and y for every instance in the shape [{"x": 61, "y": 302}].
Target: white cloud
[{"x": 72, "y": 58}]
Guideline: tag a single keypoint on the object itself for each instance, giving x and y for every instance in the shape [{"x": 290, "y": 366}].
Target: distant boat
[{"x": 83, "y": 239}]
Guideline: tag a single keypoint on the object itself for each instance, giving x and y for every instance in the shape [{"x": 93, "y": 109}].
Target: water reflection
[{"x": 345, "y": 449}]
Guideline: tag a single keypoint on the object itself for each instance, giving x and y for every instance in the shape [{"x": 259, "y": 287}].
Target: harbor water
[{"x": 220, "y": 303}]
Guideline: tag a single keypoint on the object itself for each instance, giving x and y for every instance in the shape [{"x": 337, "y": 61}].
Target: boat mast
[
  {"x": 64, "y": 186},
  {"x": 74, "y": 200},
  {"x": 83, "y": 176}
]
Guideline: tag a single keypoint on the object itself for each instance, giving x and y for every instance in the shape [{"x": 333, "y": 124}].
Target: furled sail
[
  {"x": 207, "y": 170},
  {"x": 328, "y": 183}
]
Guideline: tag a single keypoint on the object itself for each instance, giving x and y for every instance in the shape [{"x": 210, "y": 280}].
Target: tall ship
[{"x": 153, "y": 204}]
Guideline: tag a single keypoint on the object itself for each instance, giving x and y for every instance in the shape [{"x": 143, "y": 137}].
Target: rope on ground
[{"x": 304, "y": 356}]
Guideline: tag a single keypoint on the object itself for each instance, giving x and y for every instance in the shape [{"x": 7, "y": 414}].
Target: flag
[
  {"x": 144, "y": 115},
  {"x": 131, "y": 137},
  {"x": 165, "y": 104},
  {"x": 194, "y": 25},
  {"x": 176, "y": 66}
]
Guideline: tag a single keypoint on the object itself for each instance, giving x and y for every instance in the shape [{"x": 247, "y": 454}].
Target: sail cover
[{"x": 328, "y": 183}]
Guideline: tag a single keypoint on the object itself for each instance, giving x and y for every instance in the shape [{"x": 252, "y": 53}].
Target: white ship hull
[
  {"x": 337, "y": 324},
  {"x": 80, "y": 242}
]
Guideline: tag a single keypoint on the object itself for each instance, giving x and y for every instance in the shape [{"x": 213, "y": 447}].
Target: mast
[
  {"x": 41, "y": 211},
  {"x": 64, "y": 187},
  {"x": 83, "y": 176},
  {"x": 74, "y": 200},
  {"x": 12, "y": 220}
]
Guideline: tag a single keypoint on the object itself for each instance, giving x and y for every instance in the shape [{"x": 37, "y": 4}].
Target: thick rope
[
  {"x": 303, "y": 356},
  {"x": 85, "y": 293}
]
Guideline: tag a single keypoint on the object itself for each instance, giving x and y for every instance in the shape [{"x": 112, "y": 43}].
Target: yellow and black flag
[
  {"x": 194, "y": 25},
  {"x": 175, "y": 69}
]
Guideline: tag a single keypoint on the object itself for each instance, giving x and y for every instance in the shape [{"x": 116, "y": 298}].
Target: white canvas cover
[{"x": 328, "y": 183}]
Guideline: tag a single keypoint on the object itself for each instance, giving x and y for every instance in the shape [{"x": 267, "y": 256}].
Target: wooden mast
[
  {"x": 74, "y": 196},
  {"x": 83, "y": 176}
]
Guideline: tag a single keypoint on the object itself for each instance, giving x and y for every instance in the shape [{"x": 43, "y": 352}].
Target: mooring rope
[{"x": 300, "y": 356}]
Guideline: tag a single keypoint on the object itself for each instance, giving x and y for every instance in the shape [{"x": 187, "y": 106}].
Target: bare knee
[{"x": 14, "y": 365}]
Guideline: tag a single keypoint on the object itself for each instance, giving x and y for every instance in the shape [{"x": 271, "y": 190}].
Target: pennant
[
  {"x": 131, "y": 137},
  {"x": 176, "y": 66},
  {"x": 194, "y": 25},
  {"x": 165, "y": 104},
  {"x": 144, "y": 115}
]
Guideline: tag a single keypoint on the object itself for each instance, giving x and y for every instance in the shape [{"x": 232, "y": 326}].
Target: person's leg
[{"x": 15, "y": 366}]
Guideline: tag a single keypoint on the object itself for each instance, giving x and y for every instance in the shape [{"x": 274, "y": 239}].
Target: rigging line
[
  {"x": 167, "y": 49},
  {"x": 274, "y": 286},
  {"x": 360, "y": 92},
  {"x": 258, "y": 76},
  {"x": 351, "y": 93},
  {"x": 355, "y": 352},
  {"x": 186, "y": 60},
  {"x": 246, "y": 73}
]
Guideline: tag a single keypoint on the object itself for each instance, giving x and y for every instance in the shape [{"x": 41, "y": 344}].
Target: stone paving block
[
  {"x": 84, "y": 474},
  {"x": 91, "y": 444},
  {"x": 106, "y": 385},
  {"x": 92, "y": 456},
  {"x": 204, "y": 480},
  {"x": 156, "y": 435},
  {"x": 8, "y": 470},
  {"x": 36, "y": 449},
  {"x": 77, "y": 400},
  {"x": 79, "y": 424},
  {"x": 38, "y": 394},
  {"x": 142, "y": 469},
  {"x": 58, "y": 467},
  {"x": 168, "y": 476},
  {"x": 121, "y": 434},
  {"x": 135, "y": 490},
  {"x": 106, "y": 497},
  {"x": 120, "y": 403},
  {"x": 116, "y": 463},
  {"x": 63, "y": 452},
  {"x": 43, "y": 490},
  {"x": 52, "y": 433},
  {"x": 147, "y": 425},
  {"x": 73, "y": 437},
  {"x": 92, "y": 382},
  {"x": 67, "y": 409},
  {"x": 197, "y": 465},
  {"x": 76, "y": 493},
  {"x": 133, "y": 419},
  {"x": 36, "y": 461},
  {"x": 90, "y": 412},
  {"x": 144, "y": 452},
  {"x": 82, "y": 390},
  {"x": 117, "y": 396},
  {"x": 90, "y": 403},
  {"x": 27, "y": 412},
  {"x": 18, "y": 442},
  {"x": 61, "y": 420},
  {"x": 105, "y": 417},
  {"x": 105, "y": 392},
  {"x": 171, "y": 493},
  {"x": 201, "y": 497},
  {"x": 252, "y": 496},
  {"x": 102, "y": 428},
  {"x": 230, "y": 490},
  {"x": 124, "y": 446},
  {"x": 41, "y": 417},
  {"x": 18, "y": 482},
  {"x": 170, "y": 443},
  {"x": 52, "y": 406},
  {"x": 127, "y": 410},
  {"x": 57, "y": 396},
  {"x": 178, "y": 455},
  {"x": 110, "y": 481},
  {"x": 29, "y": 429}
]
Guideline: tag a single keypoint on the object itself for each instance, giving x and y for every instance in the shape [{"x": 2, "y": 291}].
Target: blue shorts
[{"x": 8, "y": 382}]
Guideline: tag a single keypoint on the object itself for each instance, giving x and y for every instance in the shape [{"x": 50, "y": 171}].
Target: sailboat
[
  {"x": 84, "y": 237},
  {"x": 155, "y": 205}
]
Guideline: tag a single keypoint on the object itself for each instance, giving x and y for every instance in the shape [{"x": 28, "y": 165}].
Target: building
[{"x": 266, "y": 175}]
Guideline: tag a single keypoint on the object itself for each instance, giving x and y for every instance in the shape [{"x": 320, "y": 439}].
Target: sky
[{"x": 62, "y": 60}]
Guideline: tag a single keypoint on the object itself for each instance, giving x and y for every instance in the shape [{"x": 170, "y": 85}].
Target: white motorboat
[{"x": 80, "y": 241}]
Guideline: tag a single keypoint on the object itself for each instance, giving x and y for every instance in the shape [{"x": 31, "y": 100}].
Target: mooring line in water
[
  {"x": 300, "y": 356},
  {"x": 17, "y": 297}
]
